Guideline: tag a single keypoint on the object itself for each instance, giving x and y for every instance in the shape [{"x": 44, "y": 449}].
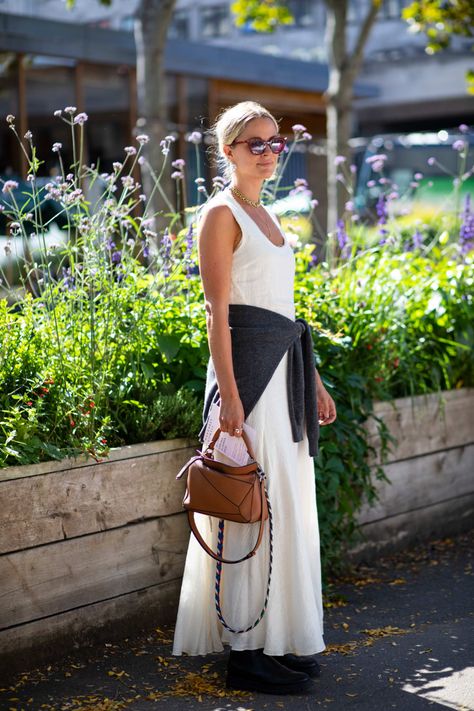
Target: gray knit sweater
[{"x": 260, "y": 338}]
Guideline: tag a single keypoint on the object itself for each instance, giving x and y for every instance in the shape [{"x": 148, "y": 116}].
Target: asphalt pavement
[{"x": 399, "y": 635}]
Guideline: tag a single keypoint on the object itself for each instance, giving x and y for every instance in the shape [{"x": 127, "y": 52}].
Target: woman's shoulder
[{"x": 216, "y": 210}]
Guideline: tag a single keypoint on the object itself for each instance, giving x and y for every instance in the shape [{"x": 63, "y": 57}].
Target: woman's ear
[{"x": 227, "y": 151}]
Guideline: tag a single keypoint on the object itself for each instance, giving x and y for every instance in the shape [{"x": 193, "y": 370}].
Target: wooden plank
[
  {"x": 422, "y": 481},
  {"x": 426, "y": 423},
  {"x": 85, "y": 570},
  {"x": 228, "y": 92},
  {"x": 398, "y": 532},
  {"x": 129, "y": 452},
  {"x": 54, "y": 637},
  {"x": 42, "y": 509}
]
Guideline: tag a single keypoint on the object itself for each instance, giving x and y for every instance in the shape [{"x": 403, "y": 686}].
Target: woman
[{"x": 247, "y": 263}]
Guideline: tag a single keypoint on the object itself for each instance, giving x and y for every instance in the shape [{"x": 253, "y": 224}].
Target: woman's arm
[
  {"x": 326, "y": 405},
  {"x": 217, "y": 238}
]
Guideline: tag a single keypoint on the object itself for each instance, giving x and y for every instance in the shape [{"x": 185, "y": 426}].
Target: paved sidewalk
[{"x": 399, "y": 635}]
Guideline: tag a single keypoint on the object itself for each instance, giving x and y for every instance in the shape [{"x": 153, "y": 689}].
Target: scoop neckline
[{"x": 277, "y": 246}]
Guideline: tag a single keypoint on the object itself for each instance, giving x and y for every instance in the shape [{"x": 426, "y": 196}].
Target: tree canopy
[{"x": 440, "y": 20}]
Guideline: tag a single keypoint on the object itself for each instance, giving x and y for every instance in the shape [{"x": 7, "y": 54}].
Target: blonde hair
[{"x": 227, "y": 128}]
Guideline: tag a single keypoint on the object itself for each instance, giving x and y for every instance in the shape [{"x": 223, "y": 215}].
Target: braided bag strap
[{"x": 220, "y": 546}]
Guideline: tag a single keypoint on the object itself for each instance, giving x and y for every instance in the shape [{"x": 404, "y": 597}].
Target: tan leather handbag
[{"x": 231, "y": 493}]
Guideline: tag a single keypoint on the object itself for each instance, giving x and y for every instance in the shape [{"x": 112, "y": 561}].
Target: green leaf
[{"x": 168, "y": 345}]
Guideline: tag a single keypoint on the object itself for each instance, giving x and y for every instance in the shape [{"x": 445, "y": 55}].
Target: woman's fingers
[
  {"x": 327, "y": 411},
  {"x": 231, "y": 420},
  {"x": 231, "y": 428}
]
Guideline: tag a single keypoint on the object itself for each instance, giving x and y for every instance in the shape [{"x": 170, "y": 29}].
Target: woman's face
[{"x": 247, "y": 165}]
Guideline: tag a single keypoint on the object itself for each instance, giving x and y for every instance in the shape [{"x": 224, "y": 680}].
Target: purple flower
[
  {"x": 417, "y": 239},
  {"x": 418, "y": 176},
  {"x": 298, "y": 128},
  {"x": 459, "y": 145},
  {"x": 68, "y": 279},
  {"x": 371, "y": 183},
  {"x": 341, "y": 234},
  {"x": 377, "y": 166},
  {"x": 56, "y": 147},
  {"x": 70, "y": 110},
  {"x": 306, "y": 136},
  {"x": 431, "y": 160},
  {"x": 349, "y": 206},
  {"x": 177, "y": 175},
  {"x": 9, "y": 185},
  {"x": 189, "y": 250},
  {"x": 381, "y": 209},
  {"x": 166, "y": 242},
  {"x": 463, "y": 128},
  {"x": 117, "y": 257},
  {"x": 81, "y": 118},
  {"x": 314, "y": 203},
  {"x": 130, "y": 150},
  {"x": 179, "y": 163},
  {"x": 142, "y": 139},
  {"x": 466, "y": 231},
  {"x": 195, "y": 137},
  {"x": 339, "y": 159}
]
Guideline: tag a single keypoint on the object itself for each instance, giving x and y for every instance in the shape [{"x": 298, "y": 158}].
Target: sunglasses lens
[
  {"x": 277, "y": 145},
  {"x": 257, "y": 146}
]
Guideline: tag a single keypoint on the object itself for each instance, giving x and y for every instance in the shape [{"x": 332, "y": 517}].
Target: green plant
[{"x": 104, "y": 338}]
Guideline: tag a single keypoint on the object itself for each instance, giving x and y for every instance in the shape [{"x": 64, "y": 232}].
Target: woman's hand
[
  {"x": 231, "y": 417},
  {"x": 326, "y": 405}
]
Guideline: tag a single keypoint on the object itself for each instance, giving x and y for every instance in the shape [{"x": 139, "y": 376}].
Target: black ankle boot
[
  {"x": 251, "y": 670},
  {"x": 308, "y": 664}
]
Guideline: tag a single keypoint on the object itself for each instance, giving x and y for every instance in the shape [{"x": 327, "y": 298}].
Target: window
[
  {"x": 357, "y": 10},
  {"x": 179, "y": 28},
  {"x": 392, "y": 9},
  {"x": 302, "y": 11},
  {"x": 215, "y": 21}
]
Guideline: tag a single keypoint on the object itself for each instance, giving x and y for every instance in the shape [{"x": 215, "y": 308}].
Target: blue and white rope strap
[{"x": 220, "y": 547}]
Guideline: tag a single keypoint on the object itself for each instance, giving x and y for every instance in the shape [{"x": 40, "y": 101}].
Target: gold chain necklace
[{"x": 236, "y": 191}]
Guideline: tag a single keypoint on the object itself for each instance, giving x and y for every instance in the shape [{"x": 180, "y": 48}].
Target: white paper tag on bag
[{"x": 232, "y": 447}]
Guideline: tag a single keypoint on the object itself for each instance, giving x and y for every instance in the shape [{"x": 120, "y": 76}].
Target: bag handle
[
  {"x": 217, "y": 595},
  {"x": 216, "y": 556},
  {"x": 245, "y": 437}
]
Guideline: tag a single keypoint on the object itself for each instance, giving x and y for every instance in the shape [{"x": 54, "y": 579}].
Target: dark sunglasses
[{"x": 257, "y": 145}]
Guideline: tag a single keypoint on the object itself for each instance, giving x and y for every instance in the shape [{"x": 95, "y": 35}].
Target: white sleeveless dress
[{"x": 262, "y": 275}]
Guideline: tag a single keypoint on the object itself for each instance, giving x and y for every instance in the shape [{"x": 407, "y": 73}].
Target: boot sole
[
  {"x": 313, "y": 672},
  {"x": 241, "y": 683}
]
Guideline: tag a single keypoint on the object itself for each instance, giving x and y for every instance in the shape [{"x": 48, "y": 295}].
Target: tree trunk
[
  {"x": 343, "y": 70},
  {"x": 153, "y": 18}
]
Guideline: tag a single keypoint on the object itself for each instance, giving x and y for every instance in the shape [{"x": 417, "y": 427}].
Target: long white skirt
[{"x": 293, "y": 621}]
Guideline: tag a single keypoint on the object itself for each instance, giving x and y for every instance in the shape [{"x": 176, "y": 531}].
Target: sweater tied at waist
[{"x": 260, "y": 339}]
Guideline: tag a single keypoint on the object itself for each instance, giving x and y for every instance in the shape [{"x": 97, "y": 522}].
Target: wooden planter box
[
  {"x": 92, "y": 551},
  {"x": 88, "y": 550},
  {"x": 431, "y": 473}
]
